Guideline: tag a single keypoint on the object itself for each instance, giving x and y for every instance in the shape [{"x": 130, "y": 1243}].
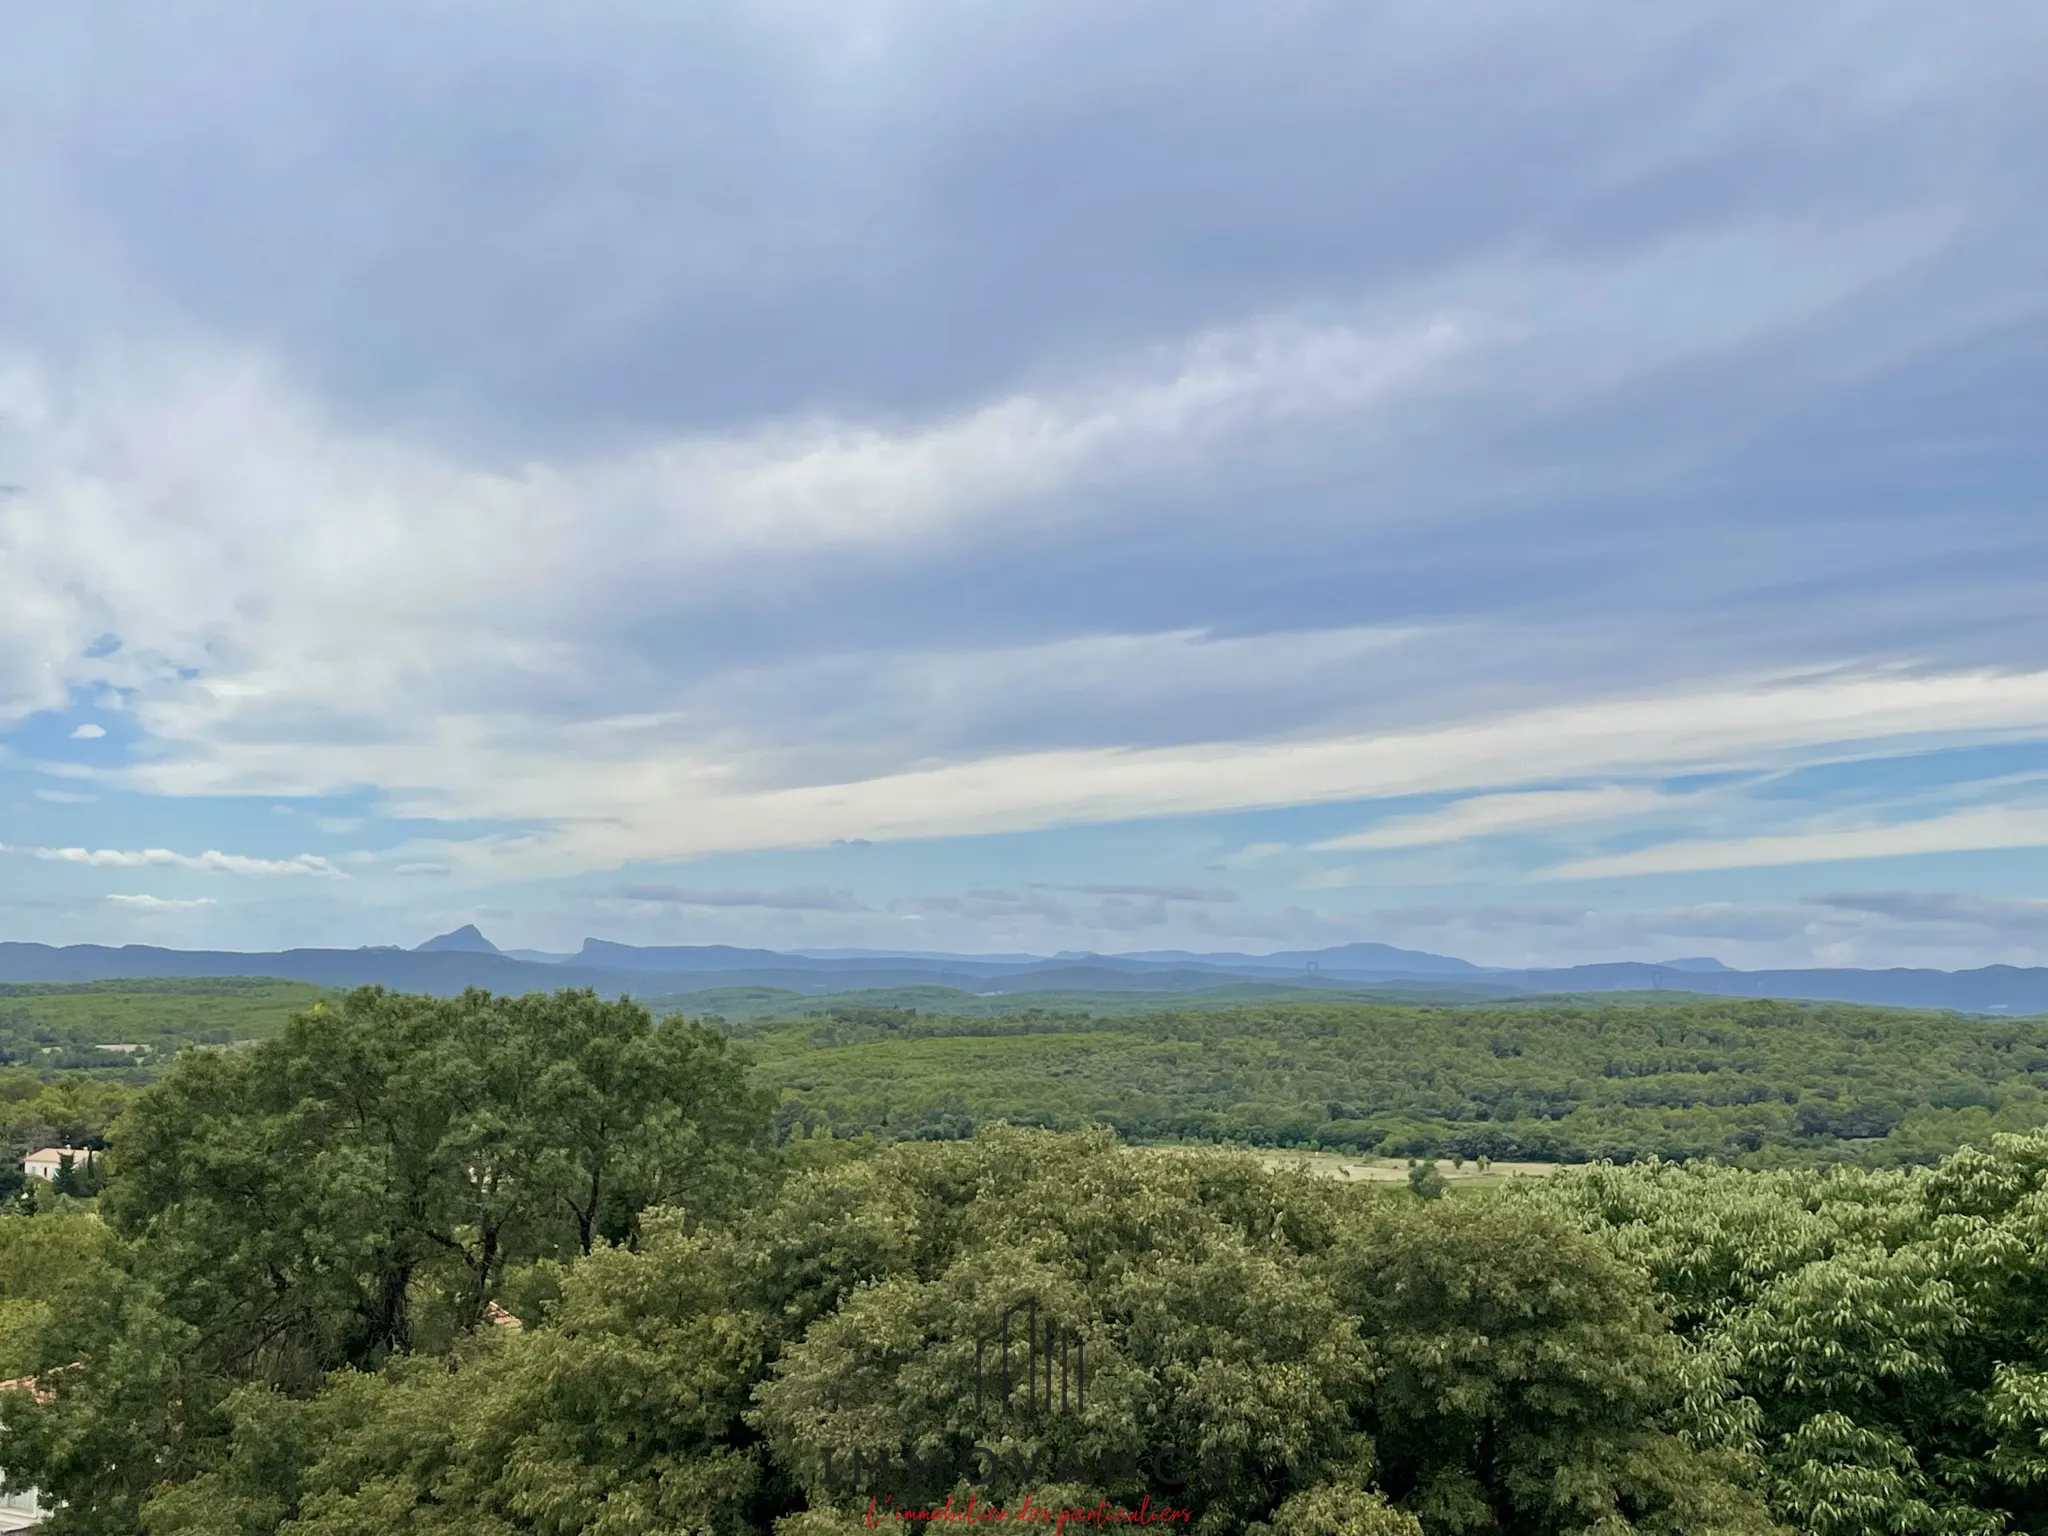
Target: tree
[
  {"x": 379, "y": 1164},
  {"x": 1526, "y": 1382},
  {"x": 354, "y": 1191},
  {"x": 1871, "y": 1341},
  {"x": 1427, "y": 1180},
  {"x": 68, "y": 1179},
  {"x": 623, "y": 1417},
  {"x": 634, "y": 1115}
]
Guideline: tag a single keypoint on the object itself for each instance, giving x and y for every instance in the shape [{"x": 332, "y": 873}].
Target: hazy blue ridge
[{"x": 465, "y": 958}]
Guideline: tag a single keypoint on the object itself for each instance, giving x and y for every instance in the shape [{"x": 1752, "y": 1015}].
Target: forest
[
  {"x": 1758, "y": 1083},
  {"x": 551, "y": 1265}
]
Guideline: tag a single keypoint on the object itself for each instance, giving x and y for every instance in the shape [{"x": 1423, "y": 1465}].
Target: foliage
[
  {"x": 72, "y": 1109},
  {"x": 51, "y": 1026},
  {"x": 1305, "y": 1360},
  {"x": 1875, "y": 1339},
  {"x": 73, "y": 1056},
  {"x": 278, "y": 1327},
  {"x": 354, "y": 1190},
  {"x": 1756, "y": 1082},
  {"x": 1426, "y": 1179}
]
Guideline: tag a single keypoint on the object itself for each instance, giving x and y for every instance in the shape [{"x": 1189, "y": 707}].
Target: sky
[{"x": 1537, "y": 482}]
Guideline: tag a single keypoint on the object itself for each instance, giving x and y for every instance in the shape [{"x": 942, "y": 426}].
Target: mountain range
[{"x": 449, "y": 962}]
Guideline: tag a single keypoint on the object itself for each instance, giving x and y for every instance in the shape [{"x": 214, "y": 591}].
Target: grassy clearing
[{"x": 1394, "y": 1170}]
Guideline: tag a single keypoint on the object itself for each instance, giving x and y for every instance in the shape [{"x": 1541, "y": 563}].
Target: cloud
[
  {"x": 65, "y": 797},
  {"x": 1878, "y": 933},
  {"x": 1200, "y": 893},
  {"x": 612, "y": 806},
  {"x": 783, "y": 901},
  {"x": 88, "y": 732},
  {"x": 1490, "y": 815},
  {"x": 1957, "y": 907},
  {"x": 1334, "y": 878},
  {"x": 211, "y": 861},
  {"x": 161, "y": 903},
  {"x": 1357, "y": 448},
  {"x": 1961, "y": 831},
  {"x": 1036, "y": 914},
  {"x": 422, "y": 868}
]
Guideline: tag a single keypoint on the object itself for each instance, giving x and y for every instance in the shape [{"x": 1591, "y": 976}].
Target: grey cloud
[
  {"x": 1950, "y": 907},
  {"x": 1743, "y": 294},
  {"x": 724, "y": 211},
  {"x": 801, "y": 900},
  {"x": 1880, "y": 929},
  {"x": 709, "y": 220},
  {"x": 991, "y": 905},
  {"x": 1201, "y": 893}
]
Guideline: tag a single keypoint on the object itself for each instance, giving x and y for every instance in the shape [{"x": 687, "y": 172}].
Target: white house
[
  {"x": 46, "y": 1162},
  {"x": 21, "y": 1511}
]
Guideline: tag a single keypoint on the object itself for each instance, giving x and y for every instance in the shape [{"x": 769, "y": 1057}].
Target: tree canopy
[{"x": 535, "y": 1266}]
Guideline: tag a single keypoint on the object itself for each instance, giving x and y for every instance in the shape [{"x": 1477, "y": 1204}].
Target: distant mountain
[
  {"x": 1362, "y": 959},
  {"x": 683, "y": 959},
  {"x": 465, "y": 958},
  {"x": 438, "y": 971},
  {"x": 464, "y": 940},
  {"x": 675, "y": 958},
  {"x": 909, "y": 954}
]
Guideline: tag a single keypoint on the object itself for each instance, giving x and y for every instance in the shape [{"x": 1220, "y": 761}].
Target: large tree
[{"x": 356, "y": 1190}]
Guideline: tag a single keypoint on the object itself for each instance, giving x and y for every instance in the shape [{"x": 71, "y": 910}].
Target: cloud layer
[{"x": 1506, "y": 442}]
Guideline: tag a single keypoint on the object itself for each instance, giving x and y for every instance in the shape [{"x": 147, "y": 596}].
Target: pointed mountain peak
[{"x": 466, "y": 939}]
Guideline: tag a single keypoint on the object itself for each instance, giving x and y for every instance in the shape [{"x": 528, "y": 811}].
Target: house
[
  {"x": 48, "y": 1161},
  {"x": 21, "y": 1511}
]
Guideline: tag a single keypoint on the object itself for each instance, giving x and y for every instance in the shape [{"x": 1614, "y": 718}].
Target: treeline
[
  {"x": 51, "y": 1026},
  {"x": 1752, "y": 1082},
  {"x": 62, "y": 1085}
]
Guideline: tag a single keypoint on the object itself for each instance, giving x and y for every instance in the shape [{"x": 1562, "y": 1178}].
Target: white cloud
[
  {"x": 1959, "y": 832},
  {"x": 211, "y": 861},
  {"x": 65, "y": 797},
  {"x": 399, "y": 567},
  {"x": 1488, "y": 815},
  {"x": 415, "y": 612},
  {"x": 800, "y": 900},
  {"x": 616, "y": 804},
  {"x": 160, "y": 903},
  {"x": 88, "y": 732}
]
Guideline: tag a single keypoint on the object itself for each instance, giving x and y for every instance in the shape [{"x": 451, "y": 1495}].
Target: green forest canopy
[
  {"x": 1672, "y": 1076},
  {"x": 283, "y": 1318},
  {"x": 1741, "y": 1080}
]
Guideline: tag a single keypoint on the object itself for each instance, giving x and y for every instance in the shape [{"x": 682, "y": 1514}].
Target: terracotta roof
[{"x": 43, "y": 1395}]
